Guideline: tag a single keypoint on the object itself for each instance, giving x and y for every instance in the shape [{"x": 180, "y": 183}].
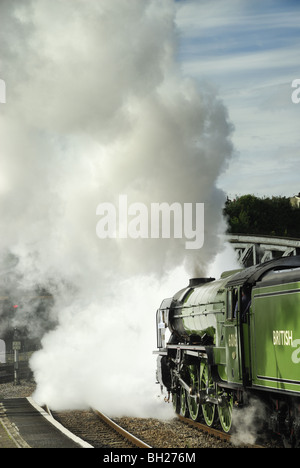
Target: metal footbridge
[{"x": 252, "y": 249}]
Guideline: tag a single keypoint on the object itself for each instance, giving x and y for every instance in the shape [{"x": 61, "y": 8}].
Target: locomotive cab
[{"x": 238, "y": 305}]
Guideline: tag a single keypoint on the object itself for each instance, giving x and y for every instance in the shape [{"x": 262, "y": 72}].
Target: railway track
[
  {"x": 204, "y": 428},
  {"x": 122, "y": 432},
  {"x": 102, "y": 432},
  {"x": 219, "y": 434},
  {"x": 98, "y": 430}
]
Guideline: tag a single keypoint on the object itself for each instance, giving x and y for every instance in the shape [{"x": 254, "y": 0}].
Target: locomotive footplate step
[{"x": 20, "y": 417}]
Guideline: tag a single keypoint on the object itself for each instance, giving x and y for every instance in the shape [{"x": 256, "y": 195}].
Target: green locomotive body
[{"x": 235, "y": 337}]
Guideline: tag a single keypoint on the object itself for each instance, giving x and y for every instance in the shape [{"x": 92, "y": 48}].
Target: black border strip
[{"x": 275, "y": 379}]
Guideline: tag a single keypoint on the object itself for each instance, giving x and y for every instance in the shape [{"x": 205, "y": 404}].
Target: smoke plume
[{"x": 97, "y": 106}]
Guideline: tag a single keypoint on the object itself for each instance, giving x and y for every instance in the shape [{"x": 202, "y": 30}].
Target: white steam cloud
[
  {"x": 248, "y": 422},
  {"x": 96, "y": 106}
]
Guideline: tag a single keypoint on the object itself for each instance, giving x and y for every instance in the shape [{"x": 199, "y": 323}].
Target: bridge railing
[{"x": 253, "y": 249}]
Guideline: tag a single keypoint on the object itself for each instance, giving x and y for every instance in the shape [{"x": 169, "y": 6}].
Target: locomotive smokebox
[{"x": 196, "y": 281}]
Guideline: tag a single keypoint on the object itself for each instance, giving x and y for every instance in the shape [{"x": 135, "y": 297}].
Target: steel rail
[
  {"x": 134, "y": 440},
  {"x": 212, "y": 431}
]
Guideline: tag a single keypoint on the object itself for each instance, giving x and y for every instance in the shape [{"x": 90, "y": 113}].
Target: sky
[{"x": 249, "y": 50}]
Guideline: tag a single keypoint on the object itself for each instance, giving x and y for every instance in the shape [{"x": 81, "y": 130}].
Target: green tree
[{"x": 267, "y": 216}]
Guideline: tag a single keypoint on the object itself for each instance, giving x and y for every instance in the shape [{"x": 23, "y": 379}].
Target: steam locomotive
[{"x": 234, "y": 339}]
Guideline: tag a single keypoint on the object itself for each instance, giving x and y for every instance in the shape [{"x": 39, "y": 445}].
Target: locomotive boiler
[{"x": 235, "y": 338}]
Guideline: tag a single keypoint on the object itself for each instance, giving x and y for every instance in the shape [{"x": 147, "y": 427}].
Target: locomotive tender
[{"x": 233, "y": 338}]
